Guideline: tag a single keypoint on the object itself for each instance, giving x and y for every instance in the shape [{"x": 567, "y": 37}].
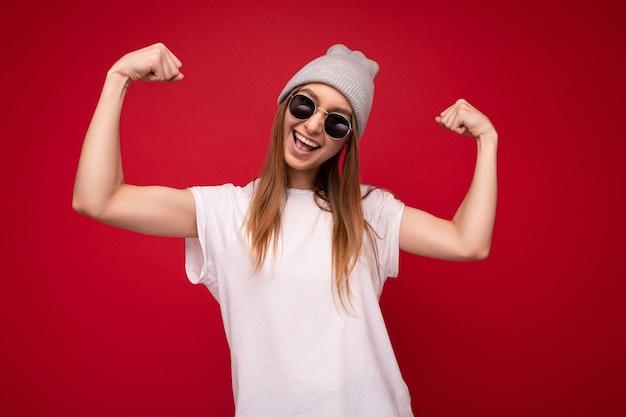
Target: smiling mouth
[{"x": 305, "y": 144}]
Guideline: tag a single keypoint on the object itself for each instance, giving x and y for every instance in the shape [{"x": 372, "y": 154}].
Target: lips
[{"x": 304, "y": 143}]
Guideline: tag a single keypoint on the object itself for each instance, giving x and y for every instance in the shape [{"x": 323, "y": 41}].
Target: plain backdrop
[{"x": 96, "y": 321}]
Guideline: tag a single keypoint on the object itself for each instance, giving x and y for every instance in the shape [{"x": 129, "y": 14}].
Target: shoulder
[
  {"x": 379, "y": 201},
  {"x": 222, "y": 199},
  {"x": 204, "y": 191},
  {"x": 376, "y": 195}
]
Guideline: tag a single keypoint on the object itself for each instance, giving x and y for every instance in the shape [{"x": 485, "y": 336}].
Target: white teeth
[{"x": 306, "y": 141}]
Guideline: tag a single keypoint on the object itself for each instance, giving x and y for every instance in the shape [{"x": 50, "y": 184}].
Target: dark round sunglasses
[{"x": 302, "y": 107}]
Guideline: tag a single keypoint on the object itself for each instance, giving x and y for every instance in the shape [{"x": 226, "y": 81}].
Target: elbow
[
  {"x": 83, "y": 207},
  {"x": 76, "y": 204},
  {"x": 94, "y": 204},
  {"x": 482, "y": 254},
  {"x": 478, "y": 253},
  {"x": 79, "y": 207}
]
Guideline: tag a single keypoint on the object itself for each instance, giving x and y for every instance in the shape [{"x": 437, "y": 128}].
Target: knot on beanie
[{"x": 349, "y": 72}]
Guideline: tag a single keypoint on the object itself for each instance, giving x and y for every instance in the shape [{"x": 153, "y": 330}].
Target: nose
[{"x": 315, "y": 123}]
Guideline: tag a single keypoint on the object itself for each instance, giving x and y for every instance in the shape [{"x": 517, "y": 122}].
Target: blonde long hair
[{"x": 336, "y": 190}]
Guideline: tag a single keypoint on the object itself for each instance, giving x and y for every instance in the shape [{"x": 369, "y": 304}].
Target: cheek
[
  {"x": 340, "y": 145},
  {"x": 334, "y": 149},
  {"x": 287, "y": 136},
  {"x": 288, "y": 125}
]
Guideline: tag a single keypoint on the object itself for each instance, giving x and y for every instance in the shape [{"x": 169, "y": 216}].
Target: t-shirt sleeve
[
  {"x": 199, "y": 263},
  {"x": 218, "y": 217},
  {"x": 384, "y": 212}
]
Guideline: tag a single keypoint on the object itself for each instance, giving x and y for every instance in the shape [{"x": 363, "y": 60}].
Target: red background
[{"x": 97, "y": 321}]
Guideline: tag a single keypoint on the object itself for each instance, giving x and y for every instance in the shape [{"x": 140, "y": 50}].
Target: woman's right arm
[{"x": 99, "y": 188}]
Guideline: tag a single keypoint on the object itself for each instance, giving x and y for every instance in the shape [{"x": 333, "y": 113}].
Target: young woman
[{"x": 296, "y": 258}]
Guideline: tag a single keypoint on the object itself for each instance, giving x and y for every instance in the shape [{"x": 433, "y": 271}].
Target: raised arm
[
  {"x": 468, "y": 235},
  {"x": 99, "y": 188}
]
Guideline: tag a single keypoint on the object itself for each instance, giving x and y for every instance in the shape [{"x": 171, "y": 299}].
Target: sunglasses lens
[
  {"x": 336, "y": 126},
  {"x": 301, "y": 107}
]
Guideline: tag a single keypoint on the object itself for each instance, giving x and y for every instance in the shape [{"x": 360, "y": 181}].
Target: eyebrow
[{"x": 334, "y": 109}]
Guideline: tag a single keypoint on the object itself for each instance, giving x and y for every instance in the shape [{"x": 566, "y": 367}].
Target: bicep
[
  {"x": 423, "y": 234},
  {"x": 153, "y": 210}
]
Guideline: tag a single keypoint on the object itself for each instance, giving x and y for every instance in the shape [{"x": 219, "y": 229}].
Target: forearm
[
  {"x": 99, "y": 174},
  {"x": 475, "y": 217}
]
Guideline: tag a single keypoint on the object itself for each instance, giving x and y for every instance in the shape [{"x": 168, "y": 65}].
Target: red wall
[{"x": 97, "y": 321}]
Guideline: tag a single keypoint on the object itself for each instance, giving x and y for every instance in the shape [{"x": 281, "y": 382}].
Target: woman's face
[{"x": 306, "y": 144}]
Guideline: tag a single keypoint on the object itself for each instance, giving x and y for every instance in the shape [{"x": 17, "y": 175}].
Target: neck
[{"x": 302, "y": 180}]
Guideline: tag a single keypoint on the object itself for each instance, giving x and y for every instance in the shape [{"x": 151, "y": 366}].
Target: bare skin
[
  {"x": 468, "y": 235},
  {"x": 100, "y": 191},
  {"x": 302, "y": 165}
]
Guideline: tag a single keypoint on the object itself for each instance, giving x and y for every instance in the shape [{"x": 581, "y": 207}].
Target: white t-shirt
[{"x": 295, "y": 351}]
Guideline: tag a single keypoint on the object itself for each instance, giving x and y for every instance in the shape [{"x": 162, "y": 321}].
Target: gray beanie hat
[{"x": 349, "y": 72}]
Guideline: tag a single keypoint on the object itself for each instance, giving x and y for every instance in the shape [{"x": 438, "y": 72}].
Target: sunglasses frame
[{"x": 315, "y": 109}]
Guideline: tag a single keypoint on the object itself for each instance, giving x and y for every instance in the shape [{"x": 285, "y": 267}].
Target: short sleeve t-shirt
[{"x": 295, "y": 350}]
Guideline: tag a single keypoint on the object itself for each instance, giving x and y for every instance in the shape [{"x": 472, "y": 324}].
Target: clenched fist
[
  {"x": 153, "y": 63},
  {"x": 465, "y": 119}
]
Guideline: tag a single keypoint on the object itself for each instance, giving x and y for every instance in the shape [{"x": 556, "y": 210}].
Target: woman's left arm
[{"x": 468, "y": 235}]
